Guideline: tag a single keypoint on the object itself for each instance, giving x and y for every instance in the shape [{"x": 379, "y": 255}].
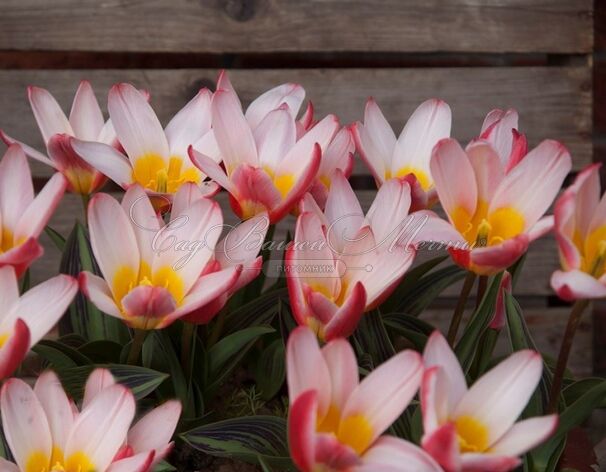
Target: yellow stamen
[
  {"x": 356, "y": 432},
  {"x": 422, "y": 177},
  {"x": 153, "y": 173},
  {"x": 37, "y": 462},
  {"x": 284, "y": 183},
  {"x": 472, "y": 434},
  {"x": 79, "y": 462},
  {"x": 330, "y": 422},
  {"x": 594, "y": 252}
]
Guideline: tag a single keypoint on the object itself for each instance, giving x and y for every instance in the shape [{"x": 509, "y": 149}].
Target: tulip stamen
[{"x": 484, "y": 230}]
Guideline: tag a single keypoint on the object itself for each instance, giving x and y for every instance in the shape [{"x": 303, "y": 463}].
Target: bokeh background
[{"x": 547, "y": 58}]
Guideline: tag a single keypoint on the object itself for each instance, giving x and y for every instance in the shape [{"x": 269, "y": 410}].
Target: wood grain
[
  {"x": 234, "y": 26},
  {"x": 554, "y": 102}
]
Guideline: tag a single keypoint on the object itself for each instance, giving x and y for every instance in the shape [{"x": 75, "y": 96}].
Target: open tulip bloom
[
  {"x": 335, "y": 421},
  {"x": 26, "y": 319},
  {"x": 85, "y": 122},
  {"x": 266, "y": 169},
  {"x": 45, "y": 431},
  {"x": 470, "y": 429},
  {"x": 496, "y": 214},
  {"x": 153, "y": 274},
  {"x": 580, "y": 228},
  {"x": 408, "y": 156},
  {"x": 155, "y": 158},
  {"x": 23, "y": 217},
  {"x": 500, "y": 129},
  {"x": 343, "y": 263}
]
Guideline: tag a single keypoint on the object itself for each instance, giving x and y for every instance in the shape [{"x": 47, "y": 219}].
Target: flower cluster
[{"x": 161, "y": 260}]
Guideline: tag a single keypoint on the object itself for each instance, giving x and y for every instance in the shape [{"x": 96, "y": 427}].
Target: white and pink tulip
[
  {"x": 408, "y": 156},
  {"x": 495, "y": 215},
  {"x": 154, "y": 273},
  {"x": 580, "y": 228},
  {"x": 85, "y": 122},
  {"x": 265, "y": 168},
  {"x": 153, "y": 157},
  {"x": 500, "y": 129},
  {"x": 46, "y": 431},
  {"x": 23, "y": 216},
  {"x": 475, "y": 428},
  {"x": 336, "y": 422}
]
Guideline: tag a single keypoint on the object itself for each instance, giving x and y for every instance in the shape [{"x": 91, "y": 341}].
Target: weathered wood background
[{"x": 536, "y": 56}]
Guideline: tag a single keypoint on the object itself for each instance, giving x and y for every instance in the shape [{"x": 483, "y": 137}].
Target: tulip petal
[
  {"x": 275, "y": 136},
  {"x": 290, "y": 94},
  {"x": 212, "y": 169},
  {"x": 492, "y": 259},
  {"x": 24, "y": 422},
  {"x": 427, "y": 125},
  {"x": 14, "y": 350},
  {"x": 306, "y": 368},
  {"x": 435, "y": 399},
  {"x": 9, "y": 288},
  {"x": 344, "y": 214},
  {"x": 189, "y": 124},
  {"x": 101, "y": 428},
  {"x": 242, "y": 243},
  {"x": 162, "y": 421},
  {"x": 499, "y": 396},
  {"x": 143, "y": 219},
  {"x": 498, "y": 130},
  {"x": 136, "y": 124},
  {"x": 106, "y": 160},
  {"x": 21, "y": 257},
  {"x": 49, "y": 115},
  {"x": 389, "y": 454},
  {"x": 525, "y": 435},
  {"x": 30, "y": 151},
  {"x": 98, "y": 380},
  {"x": 333, "y": 454},
  {"x": 343, "y": 368},
  {"x": 484, "y": 462},
  {"x": 384, "y": 394},
  {"x": 99, "y": 293},
  {"x": 138, "y": 463},
  {"x": 86, "y": 117},
  {"x": 33, "y": 220},
  {"x": 56, "y": 405},
  {"x": 16, "y": 188},
  {"x": 575, "y": 285},
  {"x": 302, "y": 427},
  {"x": 378, "y": 139},
  {"x": 112, "y": 237},
  {"x": 458, "y": 194},
  {"x": 532, "y": 185},
  {"x": 7, "y": 466},
  {"x": 487, "y": 167},
  {"x": 389, "y": 210},
  {"x": 442, "y": 444},
  {"x": 338, "y": 154},
  {"x": 345, "y": 320},
  {"x": 232, "y": 132}
]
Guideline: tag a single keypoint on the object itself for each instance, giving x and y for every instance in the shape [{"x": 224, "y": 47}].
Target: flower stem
[
  {"x": 460, "y": 308},
  {"x": 135, "y": 348},
  {"x": 573, "y": 322},
  {"x": 85, "y": 200},
  {"x": 217, "y": 328},
  {"x": 187, "y": 337},
  {"x": 482, "y": 285}
]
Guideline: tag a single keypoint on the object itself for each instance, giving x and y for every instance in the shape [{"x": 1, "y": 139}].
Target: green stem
[
  {"x": 457, "y": 316},
  {"x": 215, "y": 333},
  {"x": 482, "y": 285},
  {"x": 573, "y": 323},
  {"x": 135, "y": 348},
  {"x": 85, "y": 200},
  {"x": 187, "y": 337}
]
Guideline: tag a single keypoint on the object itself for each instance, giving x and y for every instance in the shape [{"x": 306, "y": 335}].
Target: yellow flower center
[
  {"x": 284, "y": 183},
  {"x": 80, "y": 180},
  {"x": 355, "y": 431},
  {"x": 77, "y": 462},
  {"x": 151, "y": 172},
  {"x": 593, "y": 252},
  {"x": 484, "y": 229},
  {"x": 472, "y": 434},
  {"x": 422, "y": 177}
]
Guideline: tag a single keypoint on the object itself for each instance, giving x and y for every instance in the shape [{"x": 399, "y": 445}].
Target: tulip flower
[
  {"x": 500, "y": 129},
  {"x": 470, "y": 429},
  {"x": 85, "y": 122},
  {"x": 154, "y": 273},
  {"x": 335, "y": 421},
  {"x": 28, "y": 318},
  {"x": 496, "y": 215},
  {"x": 157, "y": 158},
  {"x": 407, "y": 156},
  {"x": 45, "y": 431},
  {"x": 239, "y": 248},
  {"x": 266, "y": 169},
  {"x": 580, "y": 228},
  {"x": 23, "y": 217}
]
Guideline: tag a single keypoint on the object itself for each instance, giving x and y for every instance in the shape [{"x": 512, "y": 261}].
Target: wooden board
[
  {"x": 561, "y": 26},
  {"x": 554, "y": 102}
]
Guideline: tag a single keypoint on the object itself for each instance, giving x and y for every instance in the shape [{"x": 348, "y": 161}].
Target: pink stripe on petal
[{"x": 302, "y": 428}]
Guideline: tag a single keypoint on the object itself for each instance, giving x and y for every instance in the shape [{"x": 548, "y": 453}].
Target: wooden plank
[
  {"x": 554, "y": 26},
  {"x": 554, "y": 102},
  {"x": 541, "y": 262}
]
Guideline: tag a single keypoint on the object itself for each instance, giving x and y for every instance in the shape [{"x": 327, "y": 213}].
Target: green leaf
[
  {"x": 140, "y": 380},
  {"x": 163, "y": 466},
  {"x": 427, "y": 289},
  {"x": 57, "y": 239},
  {"x": 74, "y": 355},
  {"x": 102, "y": 351},
  {"x": 271, "y": 369},
  {"x": 372, "y": 338},
  {"x": 259, "y": 312},
  {"x": 467, "y": 345},
  {"x": 229, "y": 346},
  {"x": 409, "y": 283},
  {"x": 411, "y": 328},
  {"x": 577, "y": 389},
  {"x": 244, "y": 438}
]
